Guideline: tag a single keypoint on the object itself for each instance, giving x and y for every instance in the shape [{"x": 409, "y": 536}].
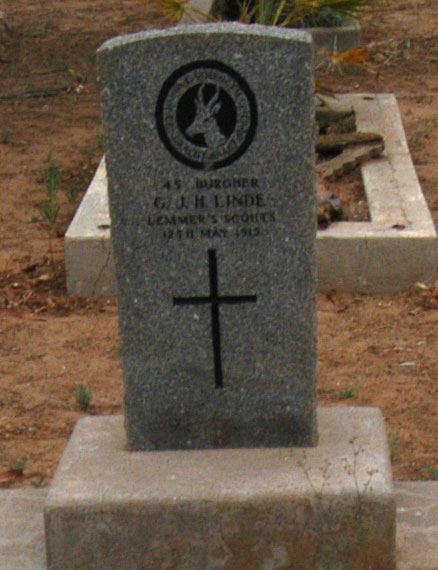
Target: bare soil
[{"x": 373, "y": 351}]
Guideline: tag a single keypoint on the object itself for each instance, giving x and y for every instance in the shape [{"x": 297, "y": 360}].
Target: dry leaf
[{"x": 355, "y": 56}]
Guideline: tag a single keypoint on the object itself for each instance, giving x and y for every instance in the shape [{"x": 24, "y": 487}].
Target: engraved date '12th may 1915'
[{"x": 219, "y": 208}]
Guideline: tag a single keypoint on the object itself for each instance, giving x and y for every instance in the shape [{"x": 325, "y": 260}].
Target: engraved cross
[{"x": 215, "y": 300}]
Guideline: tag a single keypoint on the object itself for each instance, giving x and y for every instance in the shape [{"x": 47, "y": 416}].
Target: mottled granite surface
[{"x": 209, "y": 133}]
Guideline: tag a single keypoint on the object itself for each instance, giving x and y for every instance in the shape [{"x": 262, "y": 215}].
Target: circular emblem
[{"x": 206, "y": 115}]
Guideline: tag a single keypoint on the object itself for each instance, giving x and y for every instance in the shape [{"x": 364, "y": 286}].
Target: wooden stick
[
  {"x": 338, "y": 142},
  {"x": 34, "y": 94},
  {"x": 348, "y": 160}
]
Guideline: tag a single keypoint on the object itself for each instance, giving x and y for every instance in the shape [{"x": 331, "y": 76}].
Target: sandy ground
[{"x": 374, "y": 351}]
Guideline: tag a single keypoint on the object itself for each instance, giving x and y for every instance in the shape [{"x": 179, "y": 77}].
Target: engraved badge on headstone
[{"x": 206, "y": 115}]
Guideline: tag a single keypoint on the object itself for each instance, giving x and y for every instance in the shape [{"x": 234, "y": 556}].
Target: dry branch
[
  {"x": 348, "y": 160},
  {"x": 338, "y": 142},
  {"x": 33, "y": 94}
]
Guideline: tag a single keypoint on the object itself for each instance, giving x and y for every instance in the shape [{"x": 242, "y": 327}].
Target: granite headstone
[{"x": 210, "y": 158}]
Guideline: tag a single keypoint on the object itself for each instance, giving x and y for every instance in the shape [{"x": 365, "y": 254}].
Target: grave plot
[
  {"x": 213, "y": 199},
  {"x": 397, "y": 248},
  {"x": 399, "y": 245}
]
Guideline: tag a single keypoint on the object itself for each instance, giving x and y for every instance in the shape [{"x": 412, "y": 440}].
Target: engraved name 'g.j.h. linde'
[{"x": 211, "y": 186}]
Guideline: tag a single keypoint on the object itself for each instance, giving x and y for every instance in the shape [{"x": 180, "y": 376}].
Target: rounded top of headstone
[{"x": 230, "y": 28}]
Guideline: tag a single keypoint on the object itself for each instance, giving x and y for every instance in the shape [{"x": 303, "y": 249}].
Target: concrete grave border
[
  {"x": 327, "y": 40},
  {"x": 397, "y": 248}
]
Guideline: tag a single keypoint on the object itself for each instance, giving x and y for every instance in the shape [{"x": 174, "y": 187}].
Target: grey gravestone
[{"x": 210, "y": 161}]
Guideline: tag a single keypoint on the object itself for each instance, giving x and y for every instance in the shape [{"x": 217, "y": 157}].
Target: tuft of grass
[
  {"x": 432, "y": 472},
  {"x": 286, "y": 13},
  {"x": 394, "y": 447},
  {"x": 18, "y": 465},
  {"x": 38, "y": 482},
  {"x": 50, "y": 212},
  {"x": 5, "y": 136},
  {"x": 51, "y": 176},
  {"x": 51, "y": 206},
  {"x": 83, "y": 396},
  {"x": 72, "y": 196},
  {"x": 348, "y": 392}
]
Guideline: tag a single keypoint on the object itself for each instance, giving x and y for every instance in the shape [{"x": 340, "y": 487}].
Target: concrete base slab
[
  {"x": 397, "y": 248},
  {"x": 22, "y": 527},
  {"x": 234, "y": 509}
]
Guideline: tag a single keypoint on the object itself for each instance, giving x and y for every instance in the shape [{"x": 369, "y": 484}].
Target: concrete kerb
[
  {"x": 397, "y": 248},
  {"x": 327, "y": 40},
  {"x": 22, "y": 529}
]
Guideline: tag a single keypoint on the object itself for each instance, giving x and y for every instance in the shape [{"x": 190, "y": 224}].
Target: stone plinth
[{"x": 240, "y": 509}]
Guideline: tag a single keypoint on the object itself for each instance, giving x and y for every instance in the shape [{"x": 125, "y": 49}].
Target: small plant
[
  {"x": 432, "y": 472},
  {"x": 52, "y": 176},
  {"x": 38, "y": 482},
  {"x": 18, "y": 465},
  {"x": 393, "y": 447},
  {"x": 83, "y": 397},
  {"x": 347, "y": 393},
  {"x": 286, "y": 13},
  {"x": 50, "y": 211},
  {"x": 5, "y": 135},
  {"x": 50, "y": 208},
  {"x": 72, "y": 195},
  {"x": 352, "y": 470},
  {"x": 301, "y": 13},
  {"x": 72, "y": 198},
  {"x": 329, "y": 521}
]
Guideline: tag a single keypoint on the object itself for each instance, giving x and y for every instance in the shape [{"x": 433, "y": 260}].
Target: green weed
[
  {"x": 18, "y": 465},
  {"x": 83, "y": 397},
  {"x": 394, "y": 447},
  {"x": 38, "y": 482},
  {"x": 5, "y": 136},
  {"x": 52, "y": 176},
  {"x": 348, "y": 392},
  {"x": 286, "y": 13},
  {"x": 50, "y": 208},
  {"x": 329, "y": 521},
  {"x": 432, "y": 472},
  {"x": 50, "y": 212},
  {"x": 72, "y": 195}
]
